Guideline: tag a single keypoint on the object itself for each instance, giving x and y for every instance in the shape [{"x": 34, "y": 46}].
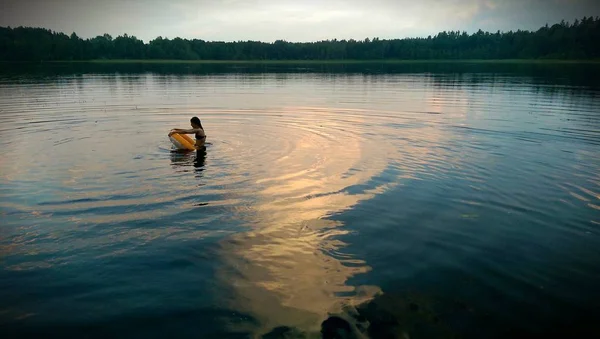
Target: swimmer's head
[{"x": 196, "y": 123}]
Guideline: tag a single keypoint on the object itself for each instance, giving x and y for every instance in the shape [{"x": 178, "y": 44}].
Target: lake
[{"x": 390, "y": 201}]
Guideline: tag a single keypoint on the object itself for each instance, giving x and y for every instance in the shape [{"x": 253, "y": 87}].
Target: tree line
[{"x": 564, "y": 40}]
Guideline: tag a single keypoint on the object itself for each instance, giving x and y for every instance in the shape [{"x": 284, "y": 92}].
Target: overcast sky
[{"x": 292, "y": 20}]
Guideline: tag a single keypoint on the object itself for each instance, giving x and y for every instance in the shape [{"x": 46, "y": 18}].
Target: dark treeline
[{"x": 578, "y": 40}]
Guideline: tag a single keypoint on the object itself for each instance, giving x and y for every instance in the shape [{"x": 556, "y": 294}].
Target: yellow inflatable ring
[{"x": 182, "y": 141}]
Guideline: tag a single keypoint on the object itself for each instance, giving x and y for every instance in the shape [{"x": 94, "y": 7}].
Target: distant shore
[
  {"x": 348, "y": 61},
  {"x": 324, "y": 62}
]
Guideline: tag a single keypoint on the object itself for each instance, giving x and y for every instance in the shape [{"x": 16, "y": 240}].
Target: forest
[{"x": 564, "y": 40}]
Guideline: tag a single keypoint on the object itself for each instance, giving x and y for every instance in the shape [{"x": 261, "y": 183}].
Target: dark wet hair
[{"x": 196, "y": 121}]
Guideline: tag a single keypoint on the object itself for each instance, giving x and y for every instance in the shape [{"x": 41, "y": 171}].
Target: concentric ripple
[{"x": 299, "y": 168}]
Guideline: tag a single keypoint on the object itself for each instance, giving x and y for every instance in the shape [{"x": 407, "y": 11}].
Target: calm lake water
[{"x": 424, "y": 201}]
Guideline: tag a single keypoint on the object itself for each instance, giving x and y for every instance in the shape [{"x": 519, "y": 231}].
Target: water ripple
[{"x": 89, "y": 178}]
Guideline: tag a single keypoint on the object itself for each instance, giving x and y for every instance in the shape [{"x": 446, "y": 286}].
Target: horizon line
[{"x": 313, "y": 41}]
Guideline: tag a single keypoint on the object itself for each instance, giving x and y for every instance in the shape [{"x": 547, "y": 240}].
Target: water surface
[{"x": 446, "y": 201}]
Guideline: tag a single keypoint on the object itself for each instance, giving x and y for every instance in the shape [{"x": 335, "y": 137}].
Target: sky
[{"x": 290, "y": 20}]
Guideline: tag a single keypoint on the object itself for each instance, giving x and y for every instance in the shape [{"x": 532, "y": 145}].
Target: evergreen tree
[{"x": 559, "y": 41}]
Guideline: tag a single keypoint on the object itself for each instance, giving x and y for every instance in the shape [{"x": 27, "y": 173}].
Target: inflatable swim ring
[{"x": 183, "y": 142}]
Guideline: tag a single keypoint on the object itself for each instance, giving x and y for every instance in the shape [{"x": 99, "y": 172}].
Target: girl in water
[{"x": 197, "y": 130}]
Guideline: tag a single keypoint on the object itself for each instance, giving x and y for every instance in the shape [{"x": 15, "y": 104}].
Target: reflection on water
[
  {"x": 373, "y": 195},
  {"x": 284, "y": 270},
  {"x": 185, "y": 159}
]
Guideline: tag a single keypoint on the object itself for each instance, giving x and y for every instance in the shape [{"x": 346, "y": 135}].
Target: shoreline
[{"x": 313, "y": 62}]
